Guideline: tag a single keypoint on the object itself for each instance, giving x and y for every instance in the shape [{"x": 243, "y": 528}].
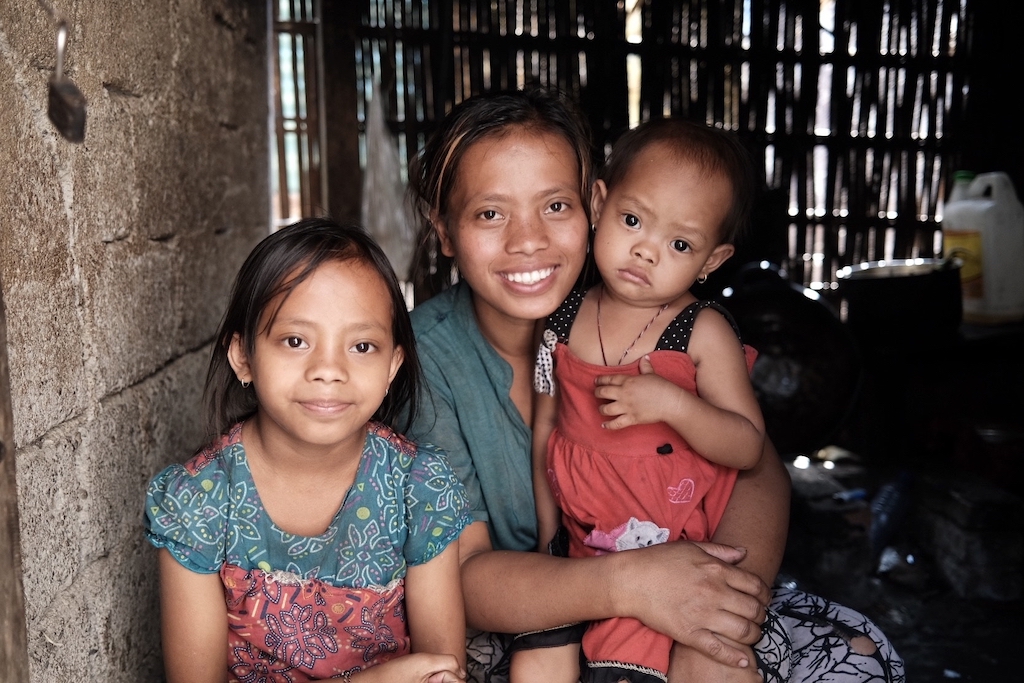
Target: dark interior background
[
  {"x": 431, "y": 55},
  {"x": 927, "y": 410},
  {"x": 903, "y": 383}
]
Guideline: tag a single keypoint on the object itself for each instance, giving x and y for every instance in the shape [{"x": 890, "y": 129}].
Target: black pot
[
  {"x": 893, "y": 306},
  {"x": 808, "y": 369}
]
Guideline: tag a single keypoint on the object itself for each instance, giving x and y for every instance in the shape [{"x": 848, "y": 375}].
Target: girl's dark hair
[
  {"x": 276, "y": 266},
  {"x": 435, "y": 170},
  {"x": 715, "y": 150}
]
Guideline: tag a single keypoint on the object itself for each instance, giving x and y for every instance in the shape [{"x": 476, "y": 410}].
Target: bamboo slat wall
[
  {"x": 298, "y": 181},
  {"x": 851, "y": 106}
]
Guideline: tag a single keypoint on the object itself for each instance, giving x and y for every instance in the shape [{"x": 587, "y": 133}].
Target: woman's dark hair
[
  {"x": 435, "y": 170},
  {"x": 715, "y": 150},
  {"x": 276, "y": 266}
]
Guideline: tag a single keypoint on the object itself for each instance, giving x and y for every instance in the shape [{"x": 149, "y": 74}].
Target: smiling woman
[
  {"x": 527, "y": 229},
  {"x": 492, "y": 223}
]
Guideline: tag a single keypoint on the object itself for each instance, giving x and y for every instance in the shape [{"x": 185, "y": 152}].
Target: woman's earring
[
  {"x": 703, "y": 278},
  {"x": 245, "y": 385}
]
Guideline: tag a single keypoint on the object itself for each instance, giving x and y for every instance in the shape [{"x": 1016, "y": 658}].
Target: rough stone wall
[{"x": 116, "y": 256}]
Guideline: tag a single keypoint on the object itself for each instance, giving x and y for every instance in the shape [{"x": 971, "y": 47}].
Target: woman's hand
[
  {"x": 415, "y": 668},
  {"x": 688, "y": 591},
  {"x": 692, "y": 593}
]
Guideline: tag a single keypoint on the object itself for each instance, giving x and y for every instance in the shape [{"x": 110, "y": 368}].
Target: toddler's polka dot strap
[
  {"x": 677, "y": 335},
  {"x": 560, "y": 322}
]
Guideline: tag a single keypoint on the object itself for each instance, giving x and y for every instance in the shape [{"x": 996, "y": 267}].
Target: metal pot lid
[{"x": 870, "y": 270}]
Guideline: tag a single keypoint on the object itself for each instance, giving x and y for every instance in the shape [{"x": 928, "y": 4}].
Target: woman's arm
[
  {"x": 757, "y": 517},
  {"x": 193, "y": 623},
  {"x": 433, "y": 603},
  {"x": 676, "y": 588},
  {"x": 548, "y": 514}
]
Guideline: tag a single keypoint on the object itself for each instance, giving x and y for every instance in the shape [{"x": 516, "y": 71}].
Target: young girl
[
  {"x": 655, "y": 410},
  {"x": 309, "y": 540}
]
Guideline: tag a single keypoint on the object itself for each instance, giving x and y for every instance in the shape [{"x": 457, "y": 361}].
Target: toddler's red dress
[{"x": 611, "y": 485}]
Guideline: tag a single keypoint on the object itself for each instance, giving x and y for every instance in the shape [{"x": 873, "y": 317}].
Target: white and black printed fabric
[
  {"x": 805, "y": 639},
  {"x": 556, "y": 331}
]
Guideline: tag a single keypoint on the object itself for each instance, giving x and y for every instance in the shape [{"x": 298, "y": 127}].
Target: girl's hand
[
  {"x": 636, "y": 399},
  {"x": 420, "y": 667}
]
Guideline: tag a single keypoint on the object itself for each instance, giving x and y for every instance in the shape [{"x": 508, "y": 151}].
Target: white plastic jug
[{"x": 983, "y": 225}]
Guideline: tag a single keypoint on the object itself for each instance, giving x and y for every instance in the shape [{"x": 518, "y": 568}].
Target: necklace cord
[{"x": 600, "y": 339}]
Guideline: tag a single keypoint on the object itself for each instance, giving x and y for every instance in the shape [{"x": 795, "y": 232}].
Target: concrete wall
[{"x": 115, "y": 260}]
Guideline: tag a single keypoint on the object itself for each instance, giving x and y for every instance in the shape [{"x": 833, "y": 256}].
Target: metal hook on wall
[{"x": 66, "y": 106}]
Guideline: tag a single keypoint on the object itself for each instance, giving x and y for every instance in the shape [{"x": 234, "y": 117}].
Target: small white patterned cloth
[{"x": 543, "y": 370}]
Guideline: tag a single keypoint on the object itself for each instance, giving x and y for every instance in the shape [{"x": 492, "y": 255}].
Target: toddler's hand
[
  {"x": 636, "y": 399},
  {"x": 690, "y": 665}
]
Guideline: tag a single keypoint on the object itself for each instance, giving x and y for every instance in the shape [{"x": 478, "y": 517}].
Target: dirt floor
[
  {"x": 936, "y": 563},
  {"x": 918, "y": 519}
]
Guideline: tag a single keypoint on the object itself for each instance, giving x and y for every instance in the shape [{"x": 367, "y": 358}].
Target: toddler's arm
[
  {"x": 723, "y": 422},
  {"x": 193, "y": 623},
  {"x": 548, "y": 514}
]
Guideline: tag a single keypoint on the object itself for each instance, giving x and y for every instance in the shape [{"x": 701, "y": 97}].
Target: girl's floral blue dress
[{"x": 303, "y": 608}]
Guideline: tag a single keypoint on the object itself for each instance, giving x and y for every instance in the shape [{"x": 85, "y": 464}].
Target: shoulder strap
[
  {"x": 560, "y": 322},
  {"x": 677, "y": 335}
]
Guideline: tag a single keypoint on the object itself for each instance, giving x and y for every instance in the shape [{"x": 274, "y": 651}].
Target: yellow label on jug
[{"x": 966, "y": 246}]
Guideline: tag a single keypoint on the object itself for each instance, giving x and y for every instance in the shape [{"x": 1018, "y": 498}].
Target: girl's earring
[
  {"x": 703, "y": 278},
  {"x": 245, "y": 385}
]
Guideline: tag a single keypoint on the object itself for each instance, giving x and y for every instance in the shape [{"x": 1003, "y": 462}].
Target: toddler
[{"x": 649, "y": 411}]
